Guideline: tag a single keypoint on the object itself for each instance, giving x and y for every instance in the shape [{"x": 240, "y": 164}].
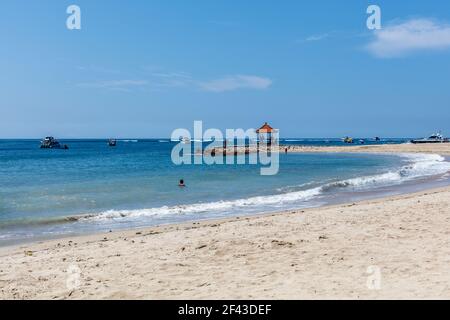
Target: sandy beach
[
  {"x": 390, "y": 248},
  {"x": 442, "y": 148}
]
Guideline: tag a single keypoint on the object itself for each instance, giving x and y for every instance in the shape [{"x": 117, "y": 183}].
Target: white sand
[
  {"x": 441, "y": 148},
  {"x": 314, "y": 253}
]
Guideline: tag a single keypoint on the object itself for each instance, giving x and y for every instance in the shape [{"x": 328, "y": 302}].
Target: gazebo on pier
[{"x": 266, "y": 134}]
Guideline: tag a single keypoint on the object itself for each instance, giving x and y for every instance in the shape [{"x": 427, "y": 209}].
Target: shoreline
[
  {"x": 286, "y": 255},
  {"x": 405, "y": 188},
  {"x": 300, "y": 254},
  {"x": 438, "y": 148}
]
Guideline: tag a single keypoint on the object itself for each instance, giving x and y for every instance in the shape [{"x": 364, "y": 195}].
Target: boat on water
[
  {"x": 434, "y": 138},
  {"x": 52, "y": 143},
  {"x": 112, "y": 142},
  {"x": 185, "y": 140},
  {"x": 347, "y": 140}
]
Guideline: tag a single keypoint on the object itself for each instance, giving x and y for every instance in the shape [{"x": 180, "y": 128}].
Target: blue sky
[{"x": 144, "y": 68}]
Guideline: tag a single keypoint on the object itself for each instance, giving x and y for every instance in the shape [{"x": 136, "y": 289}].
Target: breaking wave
[{"x": 418, "y": 166}]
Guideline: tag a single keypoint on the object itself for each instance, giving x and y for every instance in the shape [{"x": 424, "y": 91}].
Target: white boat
[
  {"x": 434, "y": 138},
  {"x": 185, "y": 140}
]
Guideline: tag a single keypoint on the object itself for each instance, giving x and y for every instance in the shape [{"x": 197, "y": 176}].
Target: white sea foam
[
  {"x": 418, "y": 165},
  {"x": 218, "y": 206}
]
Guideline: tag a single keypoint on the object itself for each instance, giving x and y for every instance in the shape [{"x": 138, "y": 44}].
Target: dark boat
[
  {"x": 112, "y": 142},
  {"x": 435, "y": 138},
  {"x": 52, "y": 143}
]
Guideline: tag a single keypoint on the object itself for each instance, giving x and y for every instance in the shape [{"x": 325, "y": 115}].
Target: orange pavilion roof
[{"x": 266, "y": 128}]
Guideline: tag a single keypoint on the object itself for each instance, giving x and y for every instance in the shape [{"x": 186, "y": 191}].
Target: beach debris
[
  {"x": 28, "y": 253},
  {"x": 282, "y": 243},
  {"x": 201, "y": 246},
  {"x": 180, "y": 265},
  {"x": 138, "y": 233},
  {"x": 152, "y": 233},
  {"x": 323, "y": 237},
  {"x": 204, "y": 284}
]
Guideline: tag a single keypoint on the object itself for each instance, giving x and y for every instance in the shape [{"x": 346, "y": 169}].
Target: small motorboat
[
  {"x": 112, "y": 142},
  {"x": 185, "y": 140},
  {"x": 52, "y": 143},
  {"x": 347, "y": 140},
  {"x": 362, "y": 141},
  {"x": 434, "y": 138}
]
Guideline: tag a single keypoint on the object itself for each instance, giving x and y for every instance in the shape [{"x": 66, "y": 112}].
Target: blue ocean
[{"x": 91, "y": 187}]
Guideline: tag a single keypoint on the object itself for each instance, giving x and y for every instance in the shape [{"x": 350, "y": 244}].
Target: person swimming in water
[{"x": 181, "y": 183}]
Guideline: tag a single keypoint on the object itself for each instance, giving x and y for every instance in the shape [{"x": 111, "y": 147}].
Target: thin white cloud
[
  {"x": 317, "y": 37},
  {"x": 122, "y": 85},
  {"x": 164, "y": 80},
  {"x": 236, "y": 82},
  {"x": 414, "y": 35},
  {"x": 171, "y": 79}
]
